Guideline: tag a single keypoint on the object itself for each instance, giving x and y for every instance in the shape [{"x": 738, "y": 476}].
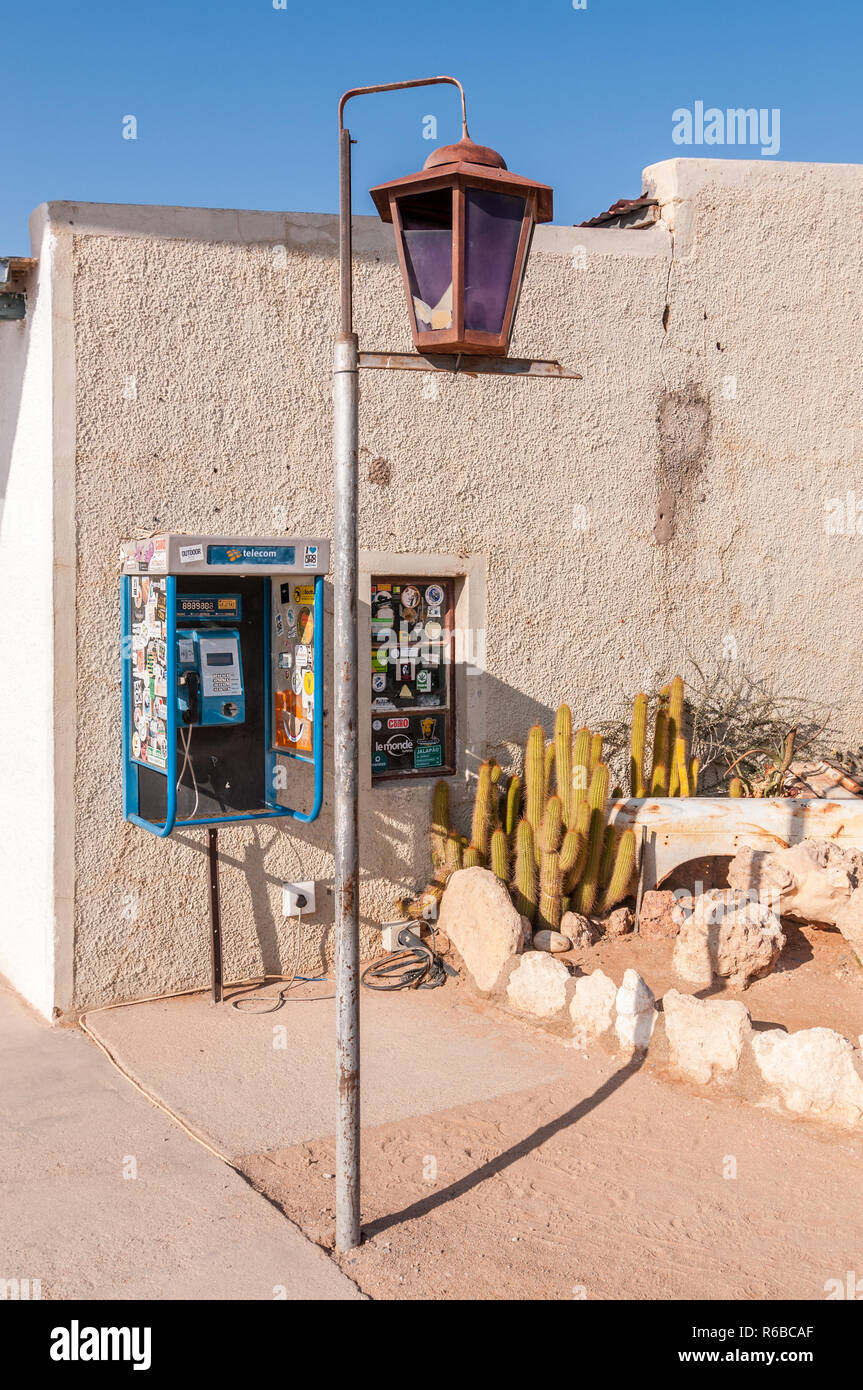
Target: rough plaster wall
[{"x": 229, "y": 344}]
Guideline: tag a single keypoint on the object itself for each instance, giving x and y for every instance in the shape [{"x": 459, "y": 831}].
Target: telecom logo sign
[{"x": 241, "y": 555}]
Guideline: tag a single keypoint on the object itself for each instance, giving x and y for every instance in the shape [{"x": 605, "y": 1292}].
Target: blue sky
[{"x": 235, "y": 100}]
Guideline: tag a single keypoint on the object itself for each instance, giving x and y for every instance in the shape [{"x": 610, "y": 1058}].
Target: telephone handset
[{"x": 210, "y": 676}]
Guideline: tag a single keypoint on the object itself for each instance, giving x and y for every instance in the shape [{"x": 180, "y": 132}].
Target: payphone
[{"x": 222, "y": 677}]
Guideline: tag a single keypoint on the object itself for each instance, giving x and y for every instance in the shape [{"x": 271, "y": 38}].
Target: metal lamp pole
[{"x": 346, "y": 733}]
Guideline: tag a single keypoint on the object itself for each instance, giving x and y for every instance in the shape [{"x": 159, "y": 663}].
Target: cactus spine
[
  {"x": 440, "y": 823},
  {"x": 659, "y": 770},
  {"x": 482, "y": 810},
  {"x": 500, "y": 855},
  {"x": 524, "y": 888},
  {"x": 472, "y": 858},
  {"x": 580, "y": 763},
  {"x": 563, "y": 759},
  {"x": 595, "y": 753},
  {"x": 513, "y": 805},
  {"x": 534, "y": 778},
  {"x": 588, "y": 887},
  {"x": 549, "y": 892},
  {"x": 675, "y": 729},
  {"x": 453, "y": 859},
  {"x": 552, "y": 826},
  {"x": 622, "y": 871},
  {"x": 548, "y": 769},
  {"x": 636, "y": 747}
]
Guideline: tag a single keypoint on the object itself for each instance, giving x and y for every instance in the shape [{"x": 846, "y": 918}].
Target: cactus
[
  {"x": 659, "y": 770},
  {"x": 513, "y": 805},
  {"x": 588, "y": 886},
  {"x": 549, "y": 892},
  {"x": 694, "y": 769},
  {"x": 609, "y": 850},
  {"x": 524, "y": 887},
  {"x": 482, "y": 810},
  {"x": 636, "y": 747},
  {"x": 534, "y": 778},
  {"x": 548, "y": 770},
  {"x": 580, "y": 778},
  {"x": 595, "y": 753},
  {"x": 563, "y": 759},
  {"x": 622, "y": 871},
  {"x": 453, "y": 859},
  {"x": 675, "y": 729},
  {"x": 500, "y": 856},
  {"x": 552, "y": 826},
  {"x": 573, "y": 853},
  {"x": 440, "y": 827},
  {"x": 682, "y": 769},
  {"x": 472, "y": 858},
  {"x": 735, "y": 787}
]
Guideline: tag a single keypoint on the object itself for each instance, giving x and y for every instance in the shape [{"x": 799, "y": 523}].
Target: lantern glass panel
[
  {"x": 427, "y": 226},
  {"x": 492, "y": 229}
]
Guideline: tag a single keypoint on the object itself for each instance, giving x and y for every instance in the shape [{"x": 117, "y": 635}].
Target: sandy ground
[{"x": 615, "y": 1189}]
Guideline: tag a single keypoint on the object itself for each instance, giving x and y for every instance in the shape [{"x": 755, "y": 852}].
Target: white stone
[
  {"x": 810, "y": 881},
  {"x": 816, "y": 1071},
  {"x": 849, "y": 920},
  {"x": 636, "y": 1012},
  {"x": 705, "y": 1036},
  {"x": 538, "y": 985},
  {"x": 551, "y": 941},
  {"x": 743, "y": 938},
  {"x": 480, "y": 919},
  {"x": 592, "y": 1006},
  {"x": 580, "y": 930}
]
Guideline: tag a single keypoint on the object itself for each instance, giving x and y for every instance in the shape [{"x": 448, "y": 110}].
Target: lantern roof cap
[{"x": 465, "y": 151}]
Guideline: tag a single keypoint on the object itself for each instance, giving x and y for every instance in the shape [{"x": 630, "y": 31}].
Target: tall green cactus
[
  {"x": 573, "y": 854},
  {"x": 534, "y": 778},
  {"x": 595, "y": 753},
  {"x": 440, "y": 827},
  {"x": 588, "y": 887},
  {"x": 563, "y": 759},
  {"x": 659, "y": 770},
  {"x": 513, "y": 805},
  {"x": 682, "y": 766},
  {"x": 524, "y": 888},
  {"x": 481, "y": 822},
  {"x": 500, "y": 856},
  {"x": 551, "y": 829},
  {"x": 622, "y": 872},
  {"x": 550, "y": 889},
  {"x": 548, "y": 769},
  {"x": 472, "y": 858},
  {"x": 636, "y": 747},
  {"x": 675, "y": 731},
  {"x": 580, "y": 775}
]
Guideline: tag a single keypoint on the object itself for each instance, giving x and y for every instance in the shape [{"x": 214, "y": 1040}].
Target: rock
[
  {"x": 480, "y": 919},
  {"x": 636, "y": 1013},
  {"x": 660, "y": 917},
  {"x": 816, "y": 1071},
  {"x": 810, "y": 881},
  {"x": 526, "y": 933},
  {"x": 619, "y": 922},
  {"x": 551, "y": 941},
  {"x": 849, "y": 920},
  {"x": 538, "y": 984},
  {"x": 580, "y": 930},
  {"x": 592, "y": 1006},
  {"x": 705, "y": 1036},
  {"x": 691, "y": 959},
  {"x": 743, "y": 939}
]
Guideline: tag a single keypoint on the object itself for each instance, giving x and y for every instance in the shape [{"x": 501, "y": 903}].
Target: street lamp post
[{"x": 463, "y": 227}]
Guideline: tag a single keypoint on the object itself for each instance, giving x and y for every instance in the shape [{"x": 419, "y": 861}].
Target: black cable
[{"x": 417, "y": 966}]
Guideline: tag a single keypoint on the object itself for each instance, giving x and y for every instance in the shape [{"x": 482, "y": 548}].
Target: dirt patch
[{"x": 607, "y": 1185}]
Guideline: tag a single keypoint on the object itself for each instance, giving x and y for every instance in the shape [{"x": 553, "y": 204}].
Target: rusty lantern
[{"x": 463, "y": 227}]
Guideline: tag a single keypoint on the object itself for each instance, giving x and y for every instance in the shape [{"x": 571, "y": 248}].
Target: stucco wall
[{"x": 703, "y": 502}]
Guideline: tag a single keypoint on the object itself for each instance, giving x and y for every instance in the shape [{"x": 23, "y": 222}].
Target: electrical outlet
[{"x": 292, "y": 892}]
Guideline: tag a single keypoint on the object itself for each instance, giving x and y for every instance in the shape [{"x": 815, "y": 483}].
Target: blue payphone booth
[
  {"x": 222, "y": 676},
  {"x": 222, "y": 661}
]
